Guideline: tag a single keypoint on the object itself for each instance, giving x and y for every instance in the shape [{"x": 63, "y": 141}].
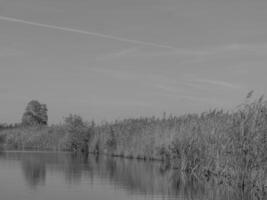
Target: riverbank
[{"x": 231, "y": 146}]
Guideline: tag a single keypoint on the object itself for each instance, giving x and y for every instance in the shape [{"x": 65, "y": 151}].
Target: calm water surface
[{"x": 43, "y": 176}]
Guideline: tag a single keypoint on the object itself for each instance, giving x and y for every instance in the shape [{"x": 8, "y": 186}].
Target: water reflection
[
  {"x": 153, "y": 179},
  {"x": 34, "y": 171}
]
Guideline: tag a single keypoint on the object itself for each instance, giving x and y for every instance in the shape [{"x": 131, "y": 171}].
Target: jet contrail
[{"x": 55, "y": 27}]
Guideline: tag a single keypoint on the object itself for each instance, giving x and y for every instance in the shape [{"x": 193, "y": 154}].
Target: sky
[{"x": 115, "y": 59}]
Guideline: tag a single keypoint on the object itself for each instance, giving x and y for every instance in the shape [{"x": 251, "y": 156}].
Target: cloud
[
  {"x": 181, "y": 93},
  {"x": 190, "y": 55},
  {"x": 117, "y": 54},
  {"x": 216, "y": 83},
  {"x": 233, "y": 47},
  {"x": 226, "y": 52},
  {"x": 115, "y": 73},
  {"x": 79, "y": 31}
]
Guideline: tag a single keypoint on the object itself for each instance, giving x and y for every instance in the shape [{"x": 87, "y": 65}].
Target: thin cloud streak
[
  {"x": 217, "y": 83},
  {"x": 55, "y": 27},
  {"x": 114, "y": 73},
  {"x": 191, "y": 55},
  {"x": 118, "y": 54},
  {"x": 180, "y": 93}
]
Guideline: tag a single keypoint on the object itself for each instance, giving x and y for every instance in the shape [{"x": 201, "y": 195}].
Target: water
[{"x": 44, "y": 175}]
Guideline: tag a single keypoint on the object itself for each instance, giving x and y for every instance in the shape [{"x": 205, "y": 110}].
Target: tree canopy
[{"x": 35, "y": 114}]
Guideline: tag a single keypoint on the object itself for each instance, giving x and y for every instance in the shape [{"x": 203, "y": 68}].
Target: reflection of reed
[
  {"x": 2, "y": 141},
  {"x": 149, "y": 178},
  {"x": 134, "y": 176},
  {"x": 34, "y": 171}
]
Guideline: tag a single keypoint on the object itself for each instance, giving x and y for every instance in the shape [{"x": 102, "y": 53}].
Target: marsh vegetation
[{"x": 222, "y": 147}]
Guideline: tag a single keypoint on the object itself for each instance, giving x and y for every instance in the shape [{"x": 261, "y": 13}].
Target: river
[{"x": 66, "y": 176}]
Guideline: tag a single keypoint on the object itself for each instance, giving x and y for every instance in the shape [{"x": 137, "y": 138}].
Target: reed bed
[{"x": 229, "y": 148}]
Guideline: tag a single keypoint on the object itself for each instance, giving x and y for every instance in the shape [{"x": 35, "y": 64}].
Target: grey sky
[{"x": 109, "y": 59}]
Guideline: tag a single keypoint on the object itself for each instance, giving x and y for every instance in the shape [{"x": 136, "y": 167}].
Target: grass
[{"x": 229, "y": 148}]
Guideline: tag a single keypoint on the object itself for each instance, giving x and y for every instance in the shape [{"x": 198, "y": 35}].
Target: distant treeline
[
  {"x": 228, "y": 146},
  {"x": 8, "y": 126}
]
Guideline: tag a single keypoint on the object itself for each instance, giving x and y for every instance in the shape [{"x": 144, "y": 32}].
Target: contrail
[{"x": 55, "y": 27}]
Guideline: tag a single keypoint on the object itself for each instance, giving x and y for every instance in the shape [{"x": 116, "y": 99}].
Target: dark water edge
[{"x": 147, "y": 179}]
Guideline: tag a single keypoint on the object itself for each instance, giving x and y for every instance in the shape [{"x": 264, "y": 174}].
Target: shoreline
[{"x": 86, "y": 154}]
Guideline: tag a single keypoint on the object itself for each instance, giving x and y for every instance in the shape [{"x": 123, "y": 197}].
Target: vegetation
[
  {"x": 229, "y": 148},
  {"x": 35, "y": 114}
]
